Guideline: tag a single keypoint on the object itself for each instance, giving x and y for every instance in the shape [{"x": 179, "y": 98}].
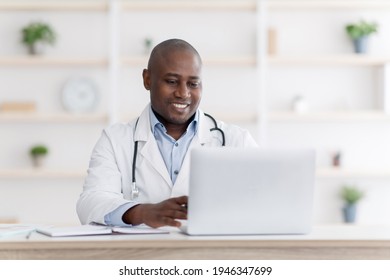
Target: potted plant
[
  {"x": 38, "y": 154},
  {"x": 148, "y": 42},
  {"x": 351, "y": 196},
  {"x": 36, "y": 35},
  {"x": 359, "y": 33}
]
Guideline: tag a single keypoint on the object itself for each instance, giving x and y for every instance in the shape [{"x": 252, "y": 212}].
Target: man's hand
[{"x": 161, "y": 214}]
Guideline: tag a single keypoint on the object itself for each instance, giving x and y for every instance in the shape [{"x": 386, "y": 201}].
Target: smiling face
[{"x": 174, "y": 80}]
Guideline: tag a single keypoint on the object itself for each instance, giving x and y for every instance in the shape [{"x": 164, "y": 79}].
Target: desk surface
[{"x": 324, "y": 242}]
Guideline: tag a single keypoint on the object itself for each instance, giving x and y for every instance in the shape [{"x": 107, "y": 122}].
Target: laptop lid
[{"x": 250, "y": 191}]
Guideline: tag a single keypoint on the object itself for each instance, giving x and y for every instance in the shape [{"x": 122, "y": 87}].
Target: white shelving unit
[
  {"x": 357, "y": 128},
  {"x": 117, "y": 61},
  {"x": 228, "y": 61},
  {"x": 113, "y": 10},
  {"x": 70, "y": 62},
  {"x": 333, "y": 60}
]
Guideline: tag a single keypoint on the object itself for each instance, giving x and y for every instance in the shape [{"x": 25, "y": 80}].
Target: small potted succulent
[
  {"x": 359, "y": 33},
  {"x": 351, "y": 195},
  {"x": 148, "y": 43},
  {"x": 38, "y": 154},
  {"x": 36, "y": 35}
]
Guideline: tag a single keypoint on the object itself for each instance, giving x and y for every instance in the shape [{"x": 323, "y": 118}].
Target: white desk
[{"x": 325, "y": 242}]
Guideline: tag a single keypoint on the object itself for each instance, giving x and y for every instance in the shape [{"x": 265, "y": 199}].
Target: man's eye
[
  {"x": 171, "y": 82},
  {"x": 194, "y": 84}
]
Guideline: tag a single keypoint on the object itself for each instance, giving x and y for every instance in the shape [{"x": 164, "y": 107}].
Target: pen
[{"x": 29, "y": 234}]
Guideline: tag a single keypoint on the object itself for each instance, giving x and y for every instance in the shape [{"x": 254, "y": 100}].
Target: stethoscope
[{"x": 134, "y": 192}]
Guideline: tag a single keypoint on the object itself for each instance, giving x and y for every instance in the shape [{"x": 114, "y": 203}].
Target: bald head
[
  {"x": 160, "y": 51},
  {"x": 174, "y": 80}
]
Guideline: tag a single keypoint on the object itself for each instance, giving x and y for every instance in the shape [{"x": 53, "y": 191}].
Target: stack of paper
[
  {"x": 13, "y": 229},
  {"x": 96, "y": 230}
]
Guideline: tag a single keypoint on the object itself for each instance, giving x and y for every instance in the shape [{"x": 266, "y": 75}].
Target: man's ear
[{"x": 146, "y": 78}]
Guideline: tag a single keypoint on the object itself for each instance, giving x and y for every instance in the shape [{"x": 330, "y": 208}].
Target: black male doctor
[{"x": 156, "y": 146}]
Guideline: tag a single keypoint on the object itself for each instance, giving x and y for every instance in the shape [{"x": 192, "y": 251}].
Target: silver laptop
[{"x": 250, "y": 191}]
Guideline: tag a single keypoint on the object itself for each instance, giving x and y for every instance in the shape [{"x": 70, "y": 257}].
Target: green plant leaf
[
  {"x": 39, "y": 150},
  {"x": 38, "y": 32},
  {"x": 361, "y": 29},
  {"x": 351, "y": 194}
]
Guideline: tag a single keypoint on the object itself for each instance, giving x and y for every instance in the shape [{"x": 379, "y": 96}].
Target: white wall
[{"x": 227, "y": 90}]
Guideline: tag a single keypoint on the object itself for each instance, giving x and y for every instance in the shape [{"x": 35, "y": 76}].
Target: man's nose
[{"x": 183, "y": 91}]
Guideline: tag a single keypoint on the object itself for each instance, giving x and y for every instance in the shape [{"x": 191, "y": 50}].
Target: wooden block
[
  {"x": 17, "y": 106},
  {"x": 8, "y": 220},
  {"x": 272, "y": 41}
]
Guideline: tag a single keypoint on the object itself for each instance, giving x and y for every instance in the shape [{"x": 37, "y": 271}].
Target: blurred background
[{"x": 309, "y": 73}]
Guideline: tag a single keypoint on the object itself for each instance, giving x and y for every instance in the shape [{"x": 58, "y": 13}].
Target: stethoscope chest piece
[{"x": 134, "y": 193}]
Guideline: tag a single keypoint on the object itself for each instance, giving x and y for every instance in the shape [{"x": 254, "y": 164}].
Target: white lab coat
[{"x": 109, "y": 179}]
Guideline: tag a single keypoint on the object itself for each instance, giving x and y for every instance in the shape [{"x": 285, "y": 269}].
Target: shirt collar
[{"x": 155, "y": 122}]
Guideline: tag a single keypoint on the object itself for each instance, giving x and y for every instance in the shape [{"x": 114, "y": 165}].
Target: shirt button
[
  {"x": 176, "y": 172},
  {"x": 176, "y": 144}
]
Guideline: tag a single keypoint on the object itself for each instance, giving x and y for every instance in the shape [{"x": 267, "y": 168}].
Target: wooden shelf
[
  {"x": 248, "y": 60},
  {"x": 208, "y": 61},
  {"x": 52, "y": 117},
  {"x": 38, "y": 173},
  {"x": 321, "y": 173},
  {"x": 244, "y": 117},
  {"x": 220, "y": 5},
  {"x": 338, "y": 59},
  {"x": 173, "y": 5},
  {"x": 52, "y": 61},
  {"x": 341, "y": 59},
  {"x": 331, "y": 4},
  {"x": 344, "y": 173},
  {"x": 230, "y": 61},
  {"x": 54, "y": 5},
  {"x": 329, "y": 116}
]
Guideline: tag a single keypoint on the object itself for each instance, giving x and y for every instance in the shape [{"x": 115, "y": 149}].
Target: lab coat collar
[
  {"x": 143, "y": 131},
  {"x": 142, "y": 127}
]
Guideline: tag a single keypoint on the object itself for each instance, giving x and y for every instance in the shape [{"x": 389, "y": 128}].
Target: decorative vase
[
  {"x": 349, "y": 211},
  {"x": 37, "y": 48},
  {"x": 299, "y": 105},
  {"x": 38, "y": 160},
  {"x": 361, "y": 44}
]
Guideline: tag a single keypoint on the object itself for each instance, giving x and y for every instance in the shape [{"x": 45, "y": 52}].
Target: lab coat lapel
[
  {"x": 148, "y": 148},
  {"x": 201, "y": 138},
  {"x": 152, "y": 154}
]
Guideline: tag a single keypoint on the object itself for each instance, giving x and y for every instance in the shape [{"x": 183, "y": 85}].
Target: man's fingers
[
  {"x": 171, "y": 222},
  {"x": 181, "y": 200},
  {"x": 167, "y": 212},
  {"x": 175, "y": 214}
]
